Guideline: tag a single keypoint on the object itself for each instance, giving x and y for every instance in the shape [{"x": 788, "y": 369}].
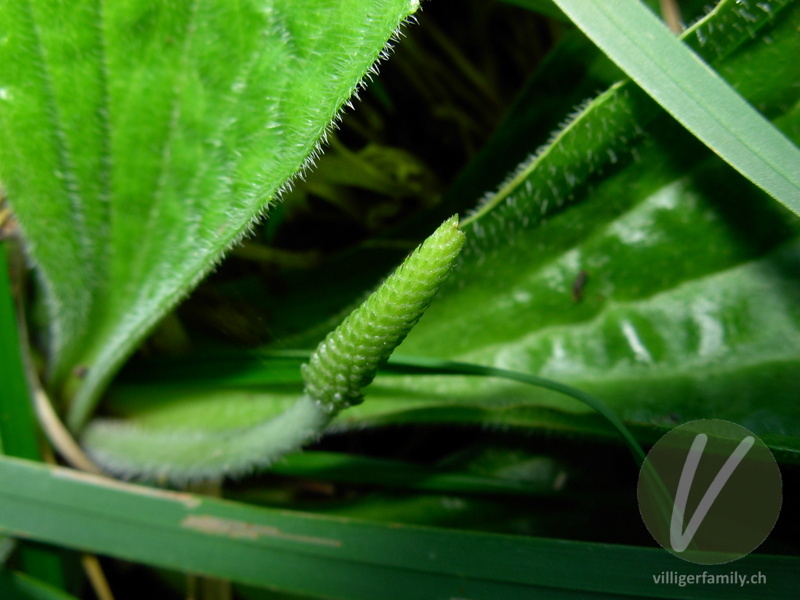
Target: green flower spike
[{"x": 347, "y": 360}]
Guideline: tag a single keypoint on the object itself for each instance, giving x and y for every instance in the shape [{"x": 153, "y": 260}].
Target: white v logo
[{"x": 680, "y": 540}]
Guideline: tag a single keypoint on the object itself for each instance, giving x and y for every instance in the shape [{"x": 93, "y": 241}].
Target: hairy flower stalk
[{"x": 343, "y": 364}]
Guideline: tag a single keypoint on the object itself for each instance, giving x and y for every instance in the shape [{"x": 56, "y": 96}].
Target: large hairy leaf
[{"x": 141, "y": 138}]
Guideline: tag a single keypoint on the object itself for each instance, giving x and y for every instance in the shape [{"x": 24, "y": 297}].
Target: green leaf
[
  {"x": 141, "y": 139},
  {"x": 332, "y": 556},
  {"x": 691, "y": 92}
]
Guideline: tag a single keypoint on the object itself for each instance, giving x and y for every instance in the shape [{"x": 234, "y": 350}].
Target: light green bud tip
[{"x": 347, "y": 360}]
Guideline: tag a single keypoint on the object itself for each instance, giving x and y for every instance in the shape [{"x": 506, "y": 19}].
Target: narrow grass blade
[
  {"x": 334, "y": 557},
  {"x": 459, "y": 368},
  {"x": 18, "y": 428},
  {"x": 692, "y": 93},
  {"x": 17, "y": 423}
]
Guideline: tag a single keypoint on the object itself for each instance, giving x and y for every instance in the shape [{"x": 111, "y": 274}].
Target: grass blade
[
  {"x": 459, "y": 368},
  {"x": 692, "y": 93},
  {"x": 333, "y": 557},
  {"x": 17, "y": 423},
  {"x": 18, "y": 429}
]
